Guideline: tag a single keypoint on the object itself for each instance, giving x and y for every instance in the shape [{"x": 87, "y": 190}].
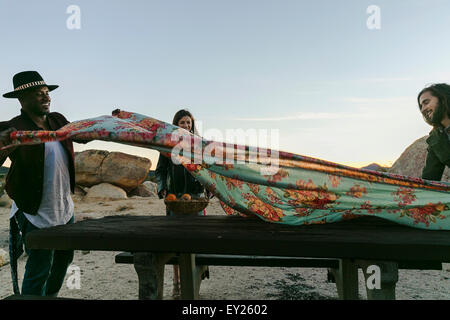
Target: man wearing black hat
[{"x": 39, "y": 182}]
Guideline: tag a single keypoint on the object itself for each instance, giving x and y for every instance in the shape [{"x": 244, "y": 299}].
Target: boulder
[
  {"x": 5, "y": 200},
  {"x": 87, "y": 167},
  {"x": 93, "y": 167},
  {"x": 4, "y": 258},
  {"x": 144, "y": 190},
  {"x": 412, "y": 160},
  {"x": 80, "y": 190},
  {"x": 152, "y": 186},
  {"x": 106, "y": 191},
  {"x": 124, "y": 170}
]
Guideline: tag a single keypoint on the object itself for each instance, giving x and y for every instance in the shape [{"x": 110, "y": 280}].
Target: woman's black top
[{"x": 175, "y": 179}]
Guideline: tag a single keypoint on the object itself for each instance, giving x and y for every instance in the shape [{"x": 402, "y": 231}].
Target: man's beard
[
  {"x": 438, "y": 115},
  {"x": 40, "y": 112}
]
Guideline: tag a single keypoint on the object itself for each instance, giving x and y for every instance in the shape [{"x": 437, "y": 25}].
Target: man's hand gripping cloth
[{"x": 276, "y": 186}]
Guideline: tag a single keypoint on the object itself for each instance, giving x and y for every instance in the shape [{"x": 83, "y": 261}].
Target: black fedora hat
[{"x": 26, "y": 80}]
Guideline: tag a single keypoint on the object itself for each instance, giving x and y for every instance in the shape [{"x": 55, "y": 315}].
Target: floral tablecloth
[{"x": 292, "y": 190}]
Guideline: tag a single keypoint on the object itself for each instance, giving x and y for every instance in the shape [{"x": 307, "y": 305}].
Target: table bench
[
  {"x": 158, "y": 240},
  {"x": 262, "y": 261}
]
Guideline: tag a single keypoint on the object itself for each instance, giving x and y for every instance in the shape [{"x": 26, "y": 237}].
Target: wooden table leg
[
  {"x": 190, "y": 276},
  {"x": 346, "y": 278},
  {"x": 383, "y": 287},
  {"x": 187, "y": 276},
  {"x": 150, "y": 271}
]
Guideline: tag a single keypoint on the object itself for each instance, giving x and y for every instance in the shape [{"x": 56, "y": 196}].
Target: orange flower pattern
[
  {"x": 335, "y": 180},
  {"x": 356, "y": 191},
  {"x": 257, "y": 206},
  {"x": 404, "y": 196},
  {"x": 426, "y": 214}
]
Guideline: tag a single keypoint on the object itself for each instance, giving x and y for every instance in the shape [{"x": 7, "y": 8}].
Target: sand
[{"x": 103, "y": 279}]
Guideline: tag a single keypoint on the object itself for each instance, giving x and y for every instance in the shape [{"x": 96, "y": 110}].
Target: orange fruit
[
  {"x": 171, "y": 197},
  {"x": 186, "y": 196}
]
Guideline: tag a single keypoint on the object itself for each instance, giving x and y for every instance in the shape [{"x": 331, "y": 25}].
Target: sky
[{"x": 327, "y": 79}]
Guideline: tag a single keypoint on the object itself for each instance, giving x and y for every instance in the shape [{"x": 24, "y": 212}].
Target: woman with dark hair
[
  {"x": 434, "y": 104},
  {"x": 175, "y": 179}
]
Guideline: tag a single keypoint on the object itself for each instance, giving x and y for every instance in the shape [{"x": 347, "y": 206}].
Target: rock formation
[
  {"x": 5, "y": 200},
  {"x": 124, "y": 170},
  {"x": 93, "y": 167},
  {"x": 87, "y": 167},
  {"x": 106, "y": 191},
  {"x": 4, "y": 258},
  {"x": 412, "y": 160},
  {"x": 147, "y": 189}
]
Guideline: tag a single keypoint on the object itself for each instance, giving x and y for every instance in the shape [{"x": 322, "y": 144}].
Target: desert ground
[{"x": 102, "y": 279}]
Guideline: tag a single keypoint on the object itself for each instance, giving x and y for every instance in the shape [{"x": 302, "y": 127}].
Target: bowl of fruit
[{"x": 185, "y": 204}]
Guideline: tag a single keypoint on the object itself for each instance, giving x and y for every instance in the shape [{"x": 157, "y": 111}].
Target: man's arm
[
  {"x": 5, "y": 132},
  {"x": 433, "y": 168},
  {"x": 65, "y": 122}
]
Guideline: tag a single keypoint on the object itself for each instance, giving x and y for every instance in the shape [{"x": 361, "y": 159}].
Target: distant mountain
[{"x": 375, "y": 167}]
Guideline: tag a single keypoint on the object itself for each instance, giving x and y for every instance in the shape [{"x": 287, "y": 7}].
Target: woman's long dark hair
[
  {"x": 182, "y": 113},
  {"x": 442, "y": 92}
]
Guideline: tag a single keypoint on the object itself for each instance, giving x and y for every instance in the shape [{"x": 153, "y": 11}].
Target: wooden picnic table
[{"x": 154, "y": 240}]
